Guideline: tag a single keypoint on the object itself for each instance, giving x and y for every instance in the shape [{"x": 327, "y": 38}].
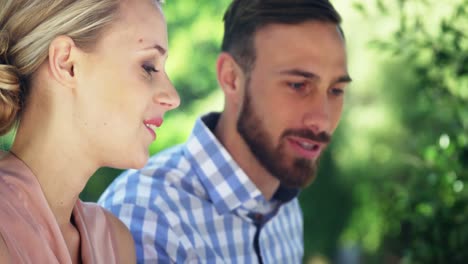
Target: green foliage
[
  {"x": 195, "y": 31},
  {"x": 327, "y": 204},
  {"x": 424, "y": 200}
]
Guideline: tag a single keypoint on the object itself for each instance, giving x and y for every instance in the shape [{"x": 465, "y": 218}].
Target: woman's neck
[{"x": 57, "y": 162}]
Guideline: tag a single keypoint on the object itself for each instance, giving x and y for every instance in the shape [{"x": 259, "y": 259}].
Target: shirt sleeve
[{"x": 155, "y": 240}]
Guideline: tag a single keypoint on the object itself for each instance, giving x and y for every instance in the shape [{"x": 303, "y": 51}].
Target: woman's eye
[{"x": 149, "y": 68}]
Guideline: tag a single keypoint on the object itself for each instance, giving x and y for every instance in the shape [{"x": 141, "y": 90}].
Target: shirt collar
[{"x": 227, "y": 185}]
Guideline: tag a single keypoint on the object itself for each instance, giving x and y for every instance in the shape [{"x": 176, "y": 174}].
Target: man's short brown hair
[{"x": 244, "y": 18}]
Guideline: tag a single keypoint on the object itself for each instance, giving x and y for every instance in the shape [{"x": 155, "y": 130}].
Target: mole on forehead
[{"x": 149, "y": 44}]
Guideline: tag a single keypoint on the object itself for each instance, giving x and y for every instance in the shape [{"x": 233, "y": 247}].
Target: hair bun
[{"x": 9, "y": 87}]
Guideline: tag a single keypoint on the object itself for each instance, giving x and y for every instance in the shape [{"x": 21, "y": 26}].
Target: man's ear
[
  {"x": 230, "y": 75},
  {"x": 61, "y": 60}
]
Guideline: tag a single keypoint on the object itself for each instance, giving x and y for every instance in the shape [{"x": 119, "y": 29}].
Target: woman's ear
[
  {"x": 61, "y": 60},
  {"x": 230, "y": 75}
]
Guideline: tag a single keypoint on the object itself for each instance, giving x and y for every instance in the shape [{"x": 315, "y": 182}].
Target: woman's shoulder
[
  {"x": 117, "y": 231},
  {"x": 8, "y": 163},
  {"x": 14, "y": 171},
  {"x": 124, "y": 239},
  {"x": 4, "y": 254}
]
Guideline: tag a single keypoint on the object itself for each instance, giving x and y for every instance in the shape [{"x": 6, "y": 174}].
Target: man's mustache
[{"x": 321, "y": 137}]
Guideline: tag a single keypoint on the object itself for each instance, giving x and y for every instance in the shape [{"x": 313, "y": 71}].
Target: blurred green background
[{"x": 391, "y": 187}]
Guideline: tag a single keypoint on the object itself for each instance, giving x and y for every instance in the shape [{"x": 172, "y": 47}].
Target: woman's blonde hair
[{"x": 27, "y": 27}]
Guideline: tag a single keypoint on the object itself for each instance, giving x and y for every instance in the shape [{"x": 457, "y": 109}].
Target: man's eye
[
  {"x": 297, "y": 85},
  {"x": 337, "y": 91},
  {"x": 149, "y": 68}
]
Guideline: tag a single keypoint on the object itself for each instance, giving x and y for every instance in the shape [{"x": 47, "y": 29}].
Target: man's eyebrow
[
  {"x": 344, "y": 79},
  {"x": 302, "y": 73},
  {"x": 310, "y": 75}
]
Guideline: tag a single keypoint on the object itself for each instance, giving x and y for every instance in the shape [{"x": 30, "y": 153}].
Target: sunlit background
[{"x": 392, "y": 186}]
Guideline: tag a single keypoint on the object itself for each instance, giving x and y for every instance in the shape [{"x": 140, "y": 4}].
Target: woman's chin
[{"x": 133, "y": 162}]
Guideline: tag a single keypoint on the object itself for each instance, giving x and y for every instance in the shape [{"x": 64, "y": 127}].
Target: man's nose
[{"x": 317, "y": 115}]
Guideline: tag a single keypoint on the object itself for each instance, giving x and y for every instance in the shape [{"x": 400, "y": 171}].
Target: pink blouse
[{"x": 30, "y": 230}]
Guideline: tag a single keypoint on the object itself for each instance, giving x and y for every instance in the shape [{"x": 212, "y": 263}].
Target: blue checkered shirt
[{"x": 193, "y": 204}]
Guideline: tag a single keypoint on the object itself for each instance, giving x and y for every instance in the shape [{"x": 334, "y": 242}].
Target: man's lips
[
  {"x": 152, "y": 124},
  {"x": 305, "y": 148}
]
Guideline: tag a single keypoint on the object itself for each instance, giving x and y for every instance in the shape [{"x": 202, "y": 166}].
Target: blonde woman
[{"x": 84, "y": 81}]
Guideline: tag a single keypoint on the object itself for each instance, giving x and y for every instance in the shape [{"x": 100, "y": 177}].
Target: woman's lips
[{"x": 152, "y": 125}]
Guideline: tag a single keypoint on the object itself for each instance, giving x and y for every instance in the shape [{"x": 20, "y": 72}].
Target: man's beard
[{"x": 296, "y": 174}]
